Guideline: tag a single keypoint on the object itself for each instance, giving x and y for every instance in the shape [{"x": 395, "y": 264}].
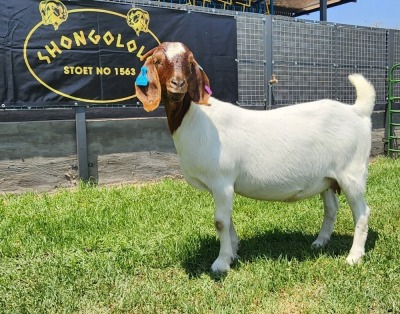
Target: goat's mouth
[{"x": 175, "y": 96}]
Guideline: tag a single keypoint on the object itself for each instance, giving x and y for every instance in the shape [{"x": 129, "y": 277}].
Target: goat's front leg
[
  {"x": 234, "y": 239},
  {"x": 223, "y": 211}
]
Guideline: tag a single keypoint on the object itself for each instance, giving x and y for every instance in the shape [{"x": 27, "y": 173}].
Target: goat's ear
[
  {"x": 198, "y": 84},
  {"x": 149, "y": 95}
]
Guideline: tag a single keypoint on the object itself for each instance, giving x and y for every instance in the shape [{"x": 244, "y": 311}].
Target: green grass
[{"x": 149, "y": 248}]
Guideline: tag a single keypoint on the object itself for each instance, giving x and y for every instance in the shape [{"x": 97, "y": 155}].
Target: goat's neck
[{"x": 176, "y": 111}]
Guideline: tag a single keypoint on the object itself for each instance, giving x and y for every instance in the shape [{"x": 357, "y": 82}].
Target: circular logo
[{"x": 88, "y": 55}]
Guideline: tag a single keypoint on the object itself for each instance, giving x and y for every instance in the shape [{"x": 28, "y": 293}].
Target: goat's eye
[{"x": 157, "y": 62}]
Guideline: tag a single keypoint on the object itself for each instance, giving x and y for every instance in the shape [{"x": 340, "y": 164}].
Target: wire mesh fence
[
  {"x": 312, "y": 60},
  {"x": 303, "y": 61},
  {"x": 251, "y": 60},
  {"x": 396, "y": 57}
]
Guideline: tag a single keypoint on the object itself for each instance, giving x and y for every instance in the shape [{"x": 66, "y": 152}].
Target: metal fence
[
  {"x": 312, "y": 60},
  {"x": 251, "y": 60}
]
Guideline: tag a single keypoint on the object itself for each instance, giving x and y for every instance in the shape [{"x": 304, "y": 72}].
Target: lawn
[{"x": 148, "y": 249}]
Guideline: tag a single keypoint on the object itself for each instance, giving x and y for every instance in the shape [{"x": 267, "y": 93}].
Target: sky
[{"x": 373, "y": 13}]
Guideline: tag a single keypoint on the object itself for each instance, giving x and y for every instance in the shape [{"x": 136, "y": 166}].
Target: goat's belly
[{"x": 284, "y": 192}]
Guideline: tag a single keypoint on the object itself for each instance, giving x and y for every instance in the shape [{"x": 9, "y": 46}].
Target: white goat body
[{"x": 284, "y": 154}]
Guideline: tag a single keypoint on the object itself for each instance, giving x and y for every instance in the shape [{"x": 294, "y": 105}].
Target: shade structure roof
[{"x": 300, "y": 7}]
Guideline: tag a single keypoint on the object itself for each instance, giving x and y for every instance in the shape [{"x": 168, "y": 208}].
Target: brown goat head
[{"x": 172, "y": 71}]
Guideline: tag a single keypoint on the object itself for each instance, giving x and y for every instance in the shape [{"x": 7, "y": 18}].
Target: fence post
[
  {"x": 268, "y": 57},
  {"x": 81, "y": 143},
  {"x": 390, "y": 62},
  {"x": 323, "y": 5},
  {"x": 391, "y": 49}
]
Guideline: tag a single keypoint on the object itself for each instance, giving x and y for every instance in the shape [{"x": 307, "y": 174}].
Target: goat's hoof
[
  {"x": 220, "y": 266},
  {"x": 319, "y": 244},
  {"x": 235, "y": 248},
  {"x": 355, "y": 258}
]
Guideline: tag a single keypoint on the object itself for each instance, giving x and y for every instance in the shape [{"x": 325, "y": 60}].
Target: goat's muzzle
[
  {"x": 177, "y": 89},
  {"x": 177, "y": 85}
]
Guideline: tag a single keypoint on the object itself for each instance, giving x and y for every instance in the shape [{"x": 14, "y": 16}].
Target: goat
[{"x": 286, "y": 154}]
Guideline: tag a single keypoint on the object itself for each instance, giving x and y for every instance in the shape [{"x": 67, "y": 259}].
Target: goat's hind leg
[
  {"x": 331, "y": 206},
  {"x": 354, "y": 189},
  {"x": 361, "y": 214}
]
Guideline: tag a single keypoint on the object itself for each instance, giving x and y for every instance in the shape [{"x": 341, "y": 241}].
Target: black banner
[{"x": 88, "y": 52}]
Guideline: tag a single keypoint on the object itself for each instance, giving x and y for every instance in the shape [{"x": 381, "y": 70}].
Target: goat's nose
[{"x": 178, "y": 83}]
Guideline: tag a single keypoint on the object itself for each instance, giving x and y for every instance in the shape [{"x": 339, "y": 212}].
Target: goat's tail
[{"x": 365, "y": 95}]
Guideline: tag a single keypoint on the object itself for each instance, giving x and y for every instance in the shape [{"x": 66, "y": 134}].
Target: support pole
[
  {"x": 323, "y": 8},
  {"x": 268, "y": 63},
  {"x": 81, "y": 143}
]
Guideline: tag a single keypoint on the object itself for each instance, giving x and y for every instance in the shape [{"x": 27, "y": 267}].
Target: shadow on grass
[{"x": 275, "y": 245}]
